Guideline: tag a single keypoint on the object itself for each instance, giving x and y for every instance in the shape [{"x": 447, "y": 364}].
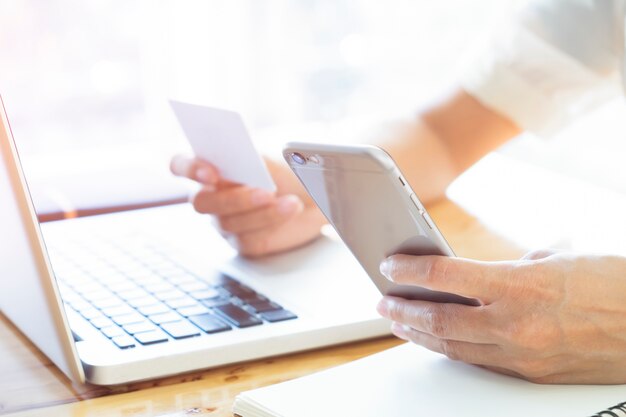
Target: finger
[
  {"x": 285, "y": 207},
  {"x": 474, "y": 353},
  {"x": 486, "y": 281},
  {"x": 296, "y": 231},
  {"x": 503, "y": 371},
  {"x": 442, "y": 320},
  {"x": 195, "y": 169},
  {"x": 539, "y": 254},
  {"x": 199, "y": 170},
  {"x": 231, "y": 200}
]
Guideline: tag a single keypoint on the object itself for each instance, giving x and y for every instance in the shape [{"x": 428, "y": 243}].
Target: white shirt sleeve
[{"x": 555, "y": 60}]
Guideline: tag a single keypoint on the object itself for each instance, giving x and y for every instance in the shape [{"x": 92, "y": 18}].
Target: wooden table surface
[{"x": 31, "y": 385}]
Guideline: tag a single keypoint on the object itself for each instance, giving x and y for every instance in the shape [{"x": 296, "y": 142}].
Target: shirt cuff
[{"x": 536, "y": 85}]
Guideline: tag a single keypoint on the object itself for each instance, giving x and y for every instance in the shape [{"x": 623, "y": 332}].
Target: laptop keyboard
[{"x": 138, "y": 296}]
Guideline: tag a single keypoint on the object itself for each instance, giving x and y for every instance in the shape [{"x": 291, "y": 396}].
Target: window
[{"x": 79, "y": 74}]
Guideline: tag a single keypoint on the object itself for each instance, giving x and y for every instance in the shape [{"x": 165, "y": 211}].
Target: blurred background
[{"x": 86, "y": 83}]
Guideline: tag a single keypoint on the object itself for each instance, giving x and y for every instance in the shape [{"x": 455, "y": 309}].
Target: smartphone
[{"x": 366, "y": 199}]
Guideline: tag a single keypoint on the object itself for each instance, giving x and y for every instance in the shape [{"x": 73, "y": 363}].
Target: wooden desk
[{"x": 31, "y": 384}]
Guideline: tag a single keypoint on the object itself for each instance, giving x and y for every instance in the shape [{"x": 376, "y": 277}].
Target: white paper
[
  {"x": 220, "y": 137},
  {"x": 410, "y": 381}
]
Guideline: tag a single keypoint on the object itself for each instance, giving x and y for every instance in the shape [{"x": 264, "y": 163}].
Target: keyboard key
[
  {"x": 122, "y": 286},
  {"x": 206, "y": 294},
  {"x": 218, "y": 278},
  {"x": 128, "y": 318},
  {"x": 149, "y": 338},
  {"x": 154, "y": 259},
  {"x": 237, "y": 316},
  {"x": 169, "y": 295},
  {"x": 183, "y": 279},
  {"x": 263, "y": 306},
  {"x": 98, "y": 295},
  {"x": 278, "y": 315},
  {"x": 128, "y": 266},
  {"x": 164, "y": 317},
  {"x": 214, "y": 302},
  {"x": 134, "y": 328},
  {"x": 100, "y": 322},
  {"x": 89, "y": 287},
  {"x": 168, "y": 270},
  {"x": 192, "y": 311},
  {"x": 112, "y": 331},
  {"x": 91, "y": 313},
  {"x": 145, "y": 278},
  {"x": 180, "y": 329},
  {"x": 107, "y": 275},
  {"x": 209, "y": 323},
  {"x": 80, "y": 305},
  {"x": 117, "y": 310},
  {"x": 143, "y": 301},
  {"x": 160, "y": 287},
  {"x": 124, "y": 342},
  {"x": 193, "y": 286},
  {"x": 181, "y": 302},
  {"x": 240, "y": 291},
  {"x": 108, "y": 302},
  {"x": 154, "y": 309},
  {"x": 77, "y": 282},
  {"x": 130, "y": 294},
  {"x": 254, "y": 298}
]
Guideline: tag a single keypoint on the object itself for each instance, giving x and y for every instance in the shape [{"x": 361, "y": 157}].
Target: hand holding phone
[{"x": 364, "y": 196}]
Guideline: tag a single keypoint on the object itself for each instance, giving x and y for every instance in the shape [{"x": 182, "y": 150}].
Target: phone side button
[
  {"x": 426, "y": 219},
  {"x": 417, "y": 204}
]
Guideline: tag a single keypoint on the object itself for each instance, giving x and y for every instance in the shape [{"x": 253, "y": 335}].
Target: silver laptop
[{"x": 142, "y": 294}]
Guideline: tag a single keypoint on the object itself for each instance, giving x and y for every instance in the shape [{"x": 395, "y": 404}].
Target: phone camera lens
[{"x": 298, "y": 158}]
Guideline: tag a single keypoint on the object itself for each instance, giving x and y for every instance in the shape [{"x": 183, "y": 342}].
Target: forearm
[{"x": 446, "y": 138}]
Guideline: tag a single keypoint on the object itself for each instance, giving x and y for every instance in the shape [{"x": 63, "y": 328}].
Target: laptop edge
[{"x": 51, "y": 333}]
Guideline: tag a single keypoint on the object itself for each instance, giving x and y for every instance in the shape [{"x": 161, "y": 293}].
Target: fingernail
[
  {"x": 261, "y": 197},
  {"x": 399, "y": 330},
  {"x": 382, "y": 307},
  {"x": 385, "y": 269},
  {"x": 287, "y": 204},
  {"x": 396, "y": 328},
  {"x": 205, "y": 175}
]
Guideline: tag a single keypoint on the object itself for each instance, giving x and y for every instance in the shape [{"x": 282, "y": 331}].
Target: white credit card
[{"x": 220, "y": 137}]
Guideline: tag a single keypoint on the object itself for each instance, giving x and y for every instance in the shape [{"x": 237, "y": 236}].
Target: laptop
[{"x": 142, "y": 294}]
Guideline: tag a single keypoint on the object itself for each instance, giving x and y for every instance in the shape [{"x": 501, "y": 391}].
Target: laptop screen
[{"x": 28, "y": 294}]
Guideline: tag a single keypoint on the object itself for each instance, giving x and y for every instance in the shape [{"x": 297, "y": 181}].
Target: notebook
[{"x": 409, "y": 380}]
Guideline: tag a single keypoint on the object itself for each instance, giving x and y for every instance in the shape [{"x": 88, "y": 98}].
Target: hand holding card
[
  {"x": 256, "y": 218},
  {"x": 220, "y": 137}
]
